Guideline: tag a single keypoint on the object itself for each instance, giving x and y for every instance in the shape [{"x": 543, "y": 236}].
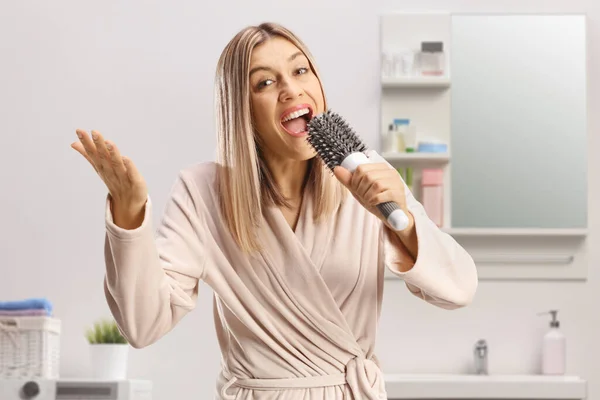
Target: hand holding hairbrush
[{"x": 375, "y": 185}]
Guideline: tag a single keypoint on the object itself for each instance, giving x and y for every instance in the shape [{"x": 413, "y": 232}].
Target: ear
[{"x": 343, "y": 175}]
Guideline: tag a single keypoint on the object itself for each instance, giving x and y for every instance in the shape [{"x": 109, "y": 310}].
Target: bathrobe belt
[{"x": 359, "y": 374}]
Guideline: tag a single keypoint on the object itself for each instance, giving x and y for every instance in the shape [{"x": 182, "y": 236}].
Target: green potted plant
[{"x": 108, "y": 350}]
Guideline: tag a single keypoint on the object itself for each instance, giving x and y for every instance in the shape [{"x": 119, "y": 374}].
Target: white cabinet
[{"x": 74, "y": 389}]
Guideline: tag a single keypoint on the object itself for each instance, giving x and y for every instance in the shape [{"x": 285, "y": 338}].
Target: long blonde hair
[{"x": 244, "y": 181}]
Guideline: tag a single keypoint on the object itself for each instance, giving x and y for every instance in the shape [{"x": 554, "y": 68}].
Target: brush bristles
[{"x": 333, "y": 139}]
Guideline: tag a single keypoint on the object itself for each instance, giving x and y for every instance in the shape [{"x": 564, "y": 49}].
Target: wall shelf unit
[{"x": 512, "y": 253}]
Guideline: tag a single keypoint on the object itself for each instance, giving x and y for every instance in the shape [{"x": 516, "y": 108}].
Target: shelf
[
  {"x": 575, "y": 232},
  {"x": 524, "y": 259},
  {"x": 416, "y": 82},
  {"x": 416, "y": 159}
]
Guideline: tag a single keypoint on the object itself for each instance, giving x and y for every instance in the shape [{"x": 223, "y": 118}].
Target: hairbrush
[{"x": 338, "y": 145}]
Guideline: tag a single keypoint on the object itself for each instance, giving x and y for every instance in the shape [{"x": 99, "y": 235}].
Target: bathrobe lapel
[
  {"x": 313, "y": 239},
  {"x": 295, "y": 258}
]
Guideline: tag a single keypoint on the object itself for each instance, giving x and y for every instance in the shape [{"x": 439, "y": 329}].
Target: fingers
[
  {"x": 372, "y": 177},
  {"x": 132, "y": 172},
  {"x": 102, "y": 154},
  {"x": 343, "y": 175},
  {"x": 88, "y": 146},
  {"x": 375, "y": 181},
  {"x": 375, "y": 198},
  {"x": 116, "y": 160},
  {"x": 79, "y": 148},
  {"x": 366, "y": 169}
]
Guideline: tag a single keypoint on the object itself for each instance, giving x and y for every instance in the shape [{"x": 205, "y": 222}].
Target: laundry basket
[{"x": 29, "y": 347}]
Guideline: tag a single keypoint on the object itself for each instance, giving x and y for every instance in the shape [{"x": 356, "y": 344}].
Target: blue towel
[{"x": 27, "y": 304}]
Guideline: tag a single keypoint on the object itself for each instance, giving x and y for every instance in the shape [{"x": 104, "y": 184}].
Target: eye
[
  {"x": 264, "y": 83},
  {"x": 301, "y": 70}
]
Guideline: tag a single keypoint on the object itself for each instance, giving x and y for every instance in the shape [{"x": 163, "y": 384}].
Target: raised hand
[{"x": 127, "y": 188}]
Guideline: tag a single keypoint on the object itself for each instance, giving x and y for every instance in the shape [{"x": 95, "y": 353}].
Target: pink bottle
[{"x": 432, "y": 194}]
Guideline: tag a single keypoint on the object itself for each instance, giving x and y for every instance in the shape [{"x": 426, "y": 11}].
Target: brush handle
[{"x": 389, "y": 209}]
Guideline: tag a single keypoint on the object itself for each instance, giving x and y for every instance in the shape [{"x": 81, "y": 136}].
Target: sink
[
  {"x": 479, "y": 378},
  {"x": 465, "y": 386}
]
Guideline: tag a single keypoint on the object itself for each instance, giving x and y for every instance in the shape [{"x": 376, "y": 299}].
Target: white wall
[{"x": 141, "y": 72}]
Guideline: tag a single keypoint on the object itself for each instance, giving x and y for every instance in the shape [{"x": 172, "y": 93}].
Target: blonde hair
[{"x": 244, "y": 181}]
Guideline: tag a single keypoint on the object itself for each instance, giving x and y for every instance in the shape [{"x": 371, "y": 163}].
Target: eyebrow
[{"x": 261, "y": 68}]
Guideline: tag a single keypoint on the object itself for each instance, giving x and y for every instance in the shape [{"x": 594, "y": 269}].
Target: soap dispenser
[{"x": 553, "y": 348}]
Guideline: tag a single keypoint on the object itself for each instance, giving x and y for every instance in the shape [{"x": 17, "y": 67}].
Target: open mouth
[{"x": 295, "y": 121}]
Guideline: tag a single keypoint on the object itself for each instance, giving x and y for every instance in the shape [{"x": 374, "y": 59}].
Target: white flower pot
[{"x": 109, "y": 361}]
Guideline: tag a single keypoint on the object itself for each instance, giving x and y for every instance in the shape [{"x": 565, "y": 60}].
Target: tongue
[{"x": 295, "y": 125}]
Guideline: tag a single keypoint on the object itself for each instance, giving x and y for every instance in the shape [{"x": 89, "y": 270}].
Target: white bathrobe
[{"x": 298, "y": 321}]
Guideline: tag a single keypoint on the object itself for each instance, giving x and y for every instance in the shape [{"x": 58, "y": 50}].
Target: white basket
[{"x": 29, "y": 347}]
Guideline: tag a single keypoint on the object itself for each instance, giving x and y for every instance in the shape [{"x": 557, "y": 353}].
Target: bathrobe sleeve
[
  {"x": 152, "y": 278},
  {"x": 443, "y": 273}
]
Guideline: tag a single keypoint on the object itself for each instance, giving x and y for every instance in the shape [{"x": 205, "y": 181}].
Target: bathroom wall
[{"x": 142, "y": 73}]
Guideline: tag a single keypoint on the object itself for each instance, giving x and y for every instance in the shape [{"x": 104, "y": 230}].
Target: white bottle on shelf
[
  {"x": 402, "y": 128},
  {"x": 390, "y": 140},
  {"x": 554, "y": 348}
]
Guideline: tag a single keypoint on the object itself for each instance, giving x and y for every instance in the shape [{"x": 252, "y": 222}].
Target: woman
[{"x": 295, "y": 263}]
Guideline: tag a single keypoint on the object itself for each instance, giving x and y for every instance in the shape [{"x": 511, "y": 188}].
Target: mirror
[
  {"x": 510, "y": 103},
  {"x": 518, "y": 133}
]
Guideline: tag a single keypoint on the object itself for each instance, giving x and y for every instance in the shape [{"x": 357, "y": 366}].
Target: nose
[{"x": 290, "y": 90}]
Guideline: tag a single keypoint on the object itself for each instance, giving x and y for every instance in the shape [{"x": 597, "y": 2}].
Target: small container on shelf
[
  {"x": 432, "y": 59},
  {"x": 406, "y": 63},
  {"x": 409, "y": 134},
  {"x": 398, "y": 63},
  {"x": 390, "y": 140},
  {"x": 432, "y": 146},
  {"x": 387, "y": 65},
  {"x": 401, "y": 126},
  {"x": 432, "y": 194}
]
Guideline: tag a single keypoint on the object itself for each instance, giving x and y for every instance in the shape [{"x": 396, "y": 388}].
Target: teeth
[{"x": 296, "y": 114}]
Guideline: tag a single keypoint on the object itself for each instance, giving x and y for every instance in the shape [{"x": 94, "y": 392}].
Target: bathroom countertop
[{"x": 458, "y": 386}]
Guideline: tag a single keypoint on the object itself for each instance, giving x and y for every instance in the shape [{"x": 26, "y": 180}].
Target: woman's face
[{"x": 285, "y": 93}]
